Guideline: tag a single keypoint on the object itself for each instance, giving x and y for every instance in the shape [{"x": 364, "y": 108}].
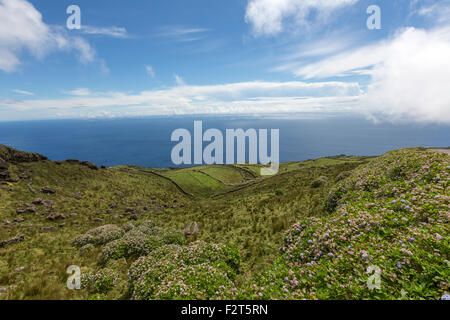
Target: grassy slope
[
  {"x": 392, "y": 214},
  {"x": 250, "y": 213}
]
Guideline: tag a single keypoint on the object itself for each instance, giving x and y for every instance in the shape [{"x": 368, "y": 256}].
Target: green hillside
[{"x": 125, "y": 228}]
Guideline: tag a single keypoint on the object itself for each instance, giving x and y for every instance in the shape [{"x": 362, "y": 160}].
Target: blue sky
[{"x": 137, "y": 58}]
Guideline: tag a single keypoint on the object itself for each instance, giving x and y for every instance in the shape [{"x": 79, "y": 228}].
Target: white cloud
[
  {"x": 234, "y": 98},
  {"x": 22, "y": 28},
  {"x": 150, "y": 71},
  {"x": 182, "y": 33},
  {"x": 179, "y": 80},
  {"x": 83, "y": 92},
  {"x": 409, "y": 75},
  {"x": 115, "y": 32},
  {"x": 438, "y": 12},
  {"x": 24, "y": 92},
  {"x": 270, "y": 17}
]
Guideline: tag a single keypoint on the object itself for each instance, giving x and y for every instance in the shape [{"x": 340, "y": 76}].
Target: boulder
[
  {"x": 130, "y": 210},
  {"x": 4, "y": 172},
  {"x": 51, "y": 228},
  {"x": 15, "y": 240},
  {"x": 48, "y": 190},
  {"x": 12, "y": 155},
  {"x": 27, "y": 209},
  {"x": 89, "y": 164},
  {"x": 3, "y": 164},
  {"x": 56, "y": 216},
  {"x": 38, "y": 201},
  {"x": 73, "y": 161}
]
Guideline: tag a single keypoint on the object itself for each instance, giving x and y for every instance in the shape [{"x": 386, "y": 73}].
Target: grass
[{"x": 236, "y": 209}]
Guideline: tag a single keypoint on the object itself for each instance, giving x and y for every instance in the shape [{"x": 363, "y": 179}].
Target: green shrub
[
  {"x": 99, "y": 282},
  {"x": 99, "y": 236},
  {"x": 193, "y": 267}
]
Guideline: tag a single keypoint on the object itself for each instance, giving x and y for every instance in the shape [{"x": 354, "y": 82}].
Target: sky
[{"x": 174, "y": 57}]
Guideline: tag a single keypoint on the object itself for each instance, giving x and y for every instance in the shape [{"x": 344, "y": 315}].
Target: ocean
[{"x": 146, "y": 141}]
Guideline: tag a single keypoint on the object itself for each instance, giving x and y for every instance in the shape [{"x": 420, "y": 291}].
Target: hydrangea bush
[
  {"x": 198, "y": 271},
  {"x": 100, "y": 282},
  {"x": 99, "y": 236},
  {"x": 393, "y": 214},
  {"x": 140, "y": 240}
]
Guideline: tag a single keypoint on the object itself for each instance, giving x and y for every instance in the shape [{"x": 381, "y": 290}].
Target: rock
[
  {"x": 20, "y": 269},
  {"x": 28, "y": 209},
  {"x": 19, "y": 220},
  {"x": 48, "y": 204},
  {"x": 4, "y": 174},
  {"x": 134, "y": 217},
  {"x": 38, "y": 201},
  {"x": 97, "y": 220},
  {"x": 130, "y": 210},
  {"x": 51, "y": 228},
  {"x": 12, "y": 155},
  {"x": 56, "y": 216},
  {"x": 103, "y": 166},
  {"x": 12, "y": 241},
  {"x": 3, "y": 164},
  {"x": 3, "y": 290},
  {"x": 62, "y": 225},
  {"x": 73, "y": 161},
  {"x": 48, "y": 190},
  {"x": 78, "y": 195},
  {"x": 89, "y": 164}
]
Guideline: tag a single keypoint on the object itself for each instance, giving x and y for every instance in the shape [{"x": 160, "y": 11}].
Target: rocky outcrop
[
  {"x": 4, "y": 172},
  {"x": 48, "y": 190},
  {"x": 12, "y": 155},
  {"x": 11, "y": 241},
  {"x": 89, "y": 164}
]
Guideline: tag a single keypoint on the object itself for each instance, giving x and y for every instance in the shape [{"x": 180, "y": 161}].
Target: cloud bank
[
  {"x": 270, "y": 17},
  {"x": 236, "y": 98},
  {"x": 409, "y": 75}
]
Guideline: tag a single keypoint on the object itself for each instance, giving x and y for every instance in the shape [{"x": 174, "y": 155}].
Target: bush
[
  {"x": 99, "y": 236},
  {"x": 319, "y": 182},
  {"x": 140, "y": 241},
  {"x": 100, "y": 282},
  {"x": 399, "y": 225},
  {"x": 193, "y": 267}
]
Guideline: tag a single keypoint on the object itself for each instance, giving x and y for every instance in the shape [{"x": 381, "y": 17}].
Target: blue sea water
[{"x": 146, "y": 141}]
